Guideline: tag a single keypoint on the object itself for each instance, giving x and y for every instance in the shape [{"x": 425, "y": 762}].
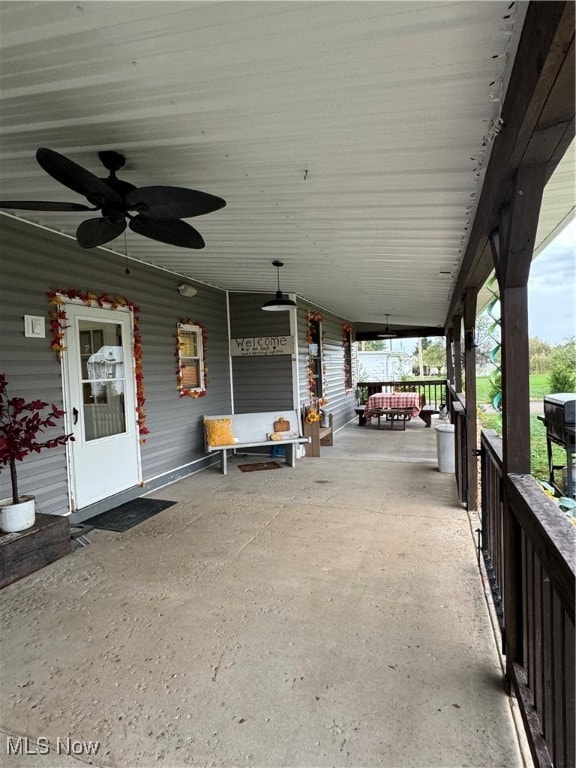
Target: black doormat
[
  {"x": 258, "y": 467},
  {"x": 128, "y": 515}
]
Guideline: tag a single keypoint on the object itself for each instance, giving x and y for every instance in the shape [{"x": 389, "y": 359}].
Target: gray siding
[
  {"x": 341, "y": 403},
  {"x": 33, "y": 261},
  {"x": 260, "y": 383}
]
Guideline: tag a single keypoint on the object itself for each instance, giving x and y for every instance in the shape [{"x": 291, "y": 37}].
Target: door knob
[{"x": 75, "y": 415}]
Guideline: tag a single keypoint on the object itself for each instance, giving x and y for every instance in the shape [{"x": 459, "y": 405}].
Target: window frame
[{"x": 184, "y": 361}]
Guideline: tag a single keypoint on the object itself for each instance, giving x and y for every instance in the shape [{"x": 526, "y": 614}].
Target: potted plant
[{"x": 21, "y": 427}]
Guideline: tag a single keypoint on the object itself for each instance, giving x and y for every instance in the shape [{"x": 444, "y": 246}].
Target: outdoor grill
[{"x": 560, "y": 421}]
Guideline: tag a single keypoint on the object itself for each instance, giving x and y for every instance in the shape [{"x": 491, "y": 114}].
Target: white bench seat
[{"x": 252, "y": 430}]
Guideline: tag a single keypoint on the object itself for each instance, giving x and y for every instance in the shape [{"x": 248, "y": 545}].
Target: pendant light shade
[
  {"x": 279, "y": 303},
  {"x": 388, "y": 334}
]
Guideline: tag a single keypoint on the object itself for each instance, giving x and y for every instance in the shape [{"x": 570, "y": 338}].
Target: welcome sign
[{"x": 254, "y": 346}]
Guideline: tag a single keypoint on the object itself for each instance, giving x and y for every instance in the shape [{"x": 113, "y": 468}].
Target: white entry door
[{"x": 100, "y": 403}]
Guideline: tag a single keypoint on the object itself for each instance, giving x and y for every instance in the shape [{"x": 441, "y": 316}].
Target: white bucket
[{"x": 445, "y": 447}]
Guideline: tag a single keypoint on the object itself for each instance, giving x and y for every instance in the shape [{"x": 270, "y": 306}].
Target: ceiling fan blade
[
  {"x": 75, "y": 177},
  {"x": 172, "y": 202},
  {"x": 170, "y": 231},
  {"x": 93, "y": 232},
  {"x": 38, "y": 205}
]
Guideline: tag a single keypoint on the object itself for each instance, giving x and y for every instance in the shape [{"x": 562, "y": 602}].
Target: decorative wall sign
[{"x": 256, "y": 346}]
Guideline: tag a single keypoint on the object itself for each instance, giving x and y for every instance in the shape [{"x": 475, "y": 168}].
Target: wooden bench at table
[
  {"x": 393, "y": 416},
  {"x": 252, "y": 430},
  {"x": 426, "y": 414}
]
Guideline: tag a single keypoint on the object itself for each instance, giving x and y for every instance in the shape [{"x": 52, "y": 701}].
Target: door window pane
[{"x": 103, "y": 379}]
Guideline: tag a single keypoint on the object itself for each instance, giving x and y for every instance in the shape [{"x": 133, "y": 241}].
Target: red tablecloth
[{"x": 392, "y": 400}]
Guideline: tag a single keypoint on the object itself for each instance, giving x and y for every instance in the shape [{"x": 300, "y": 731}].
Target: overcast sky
[{"x": 552, "y": 290}]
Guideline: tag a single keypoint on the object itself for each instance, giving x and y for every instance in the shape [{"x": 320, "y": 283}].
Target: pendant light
[
  {"x": 279, "y": 302},
  {"x": 388, "y": 334}
]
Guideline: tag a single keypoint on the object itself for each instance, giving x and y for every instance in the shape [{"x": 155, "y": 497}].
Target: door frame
[{"x": 68, "y": 404}]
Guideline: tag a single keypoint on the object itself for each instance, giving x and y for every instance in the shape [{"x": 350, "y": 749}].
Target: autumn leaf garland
[{"x": 58, "y": 323}]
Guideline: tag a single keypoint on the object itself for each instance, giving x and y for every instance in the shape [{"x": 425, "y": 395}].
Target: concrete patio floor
[{"x": 332, "y": 614}]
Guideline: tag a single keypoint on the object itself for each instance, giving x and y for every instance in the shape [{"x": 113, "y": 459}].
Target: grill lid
[
  {"x": 560, "y": 409},
  {"x": 560, "y": 398}
]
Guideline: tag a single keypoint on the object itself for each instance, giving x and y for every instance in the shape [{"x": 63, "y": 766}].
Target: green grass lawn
[{"x": 539, "y": 387}]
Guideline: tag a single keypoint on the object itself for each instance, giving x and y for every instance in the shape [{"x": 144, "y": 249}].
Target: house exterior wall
[
  {"x": 261, "y": 383},
  {"x": 34, "y": 261},
  {"x": 383, "y": 366},
  {"x": 341, "y": 402}
]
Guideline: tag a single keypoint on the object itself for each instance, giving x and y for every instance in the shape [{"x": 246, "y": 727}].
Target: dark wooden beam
[
  {"x": 512, "y": 247},
  {"x": 538, "y": 125},
  {"x": 371, "y": 334},
  {"x": 515, "y": 381},
  {"x": 457, "y": 330},
  {"x": 449, "y": 359},
  {"x": 470, "y": 378}
]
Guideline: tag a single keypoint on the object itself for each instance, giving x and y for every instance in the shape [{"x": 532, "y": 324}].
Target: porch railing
[
  {"x": 433, "y": 390},
  {"x": 529, "y": 547}
]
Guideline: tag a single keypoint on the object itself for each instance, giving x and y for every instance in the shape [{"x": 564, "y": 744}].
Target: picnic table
[{"x": 387, "y": 401}]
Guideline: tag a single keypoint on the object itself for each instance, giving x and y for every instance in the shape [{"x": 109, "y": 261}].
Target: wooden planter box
[
  {"x": 27, "y": 551},
  {"x": 318, "y": 436}
]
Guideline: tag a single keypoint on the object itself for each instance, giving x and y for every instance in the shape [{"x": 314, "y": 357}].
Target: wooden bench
[
  {"x": 393, "y": 416},
  {"x": 426, "y": 414},
  {"x": 252, "y": 430},
  {"x": 318, "y": 436}
]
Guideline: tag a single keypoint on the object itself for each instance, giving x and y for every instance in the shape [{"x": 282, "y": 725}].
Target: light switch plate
[{"x": 34, "y": 327}]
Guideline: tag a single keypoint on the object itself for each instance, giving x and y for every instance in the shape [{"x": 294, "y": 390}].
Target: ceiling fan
[{"x": 154, "y": 212}]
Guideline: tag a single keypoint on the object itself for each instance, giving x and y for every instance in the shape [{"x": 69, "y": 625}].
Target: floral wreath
[
  {"x": 58, "y": 325},
  {"x": 315, "y": 317},
  {"x": 347, "y": 329},
  {"x": 182, "y": 390}
]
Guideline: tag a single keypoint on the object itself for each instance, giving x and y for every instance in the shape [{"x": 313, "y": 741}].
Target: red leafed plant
[{"x": 21, "y": 426}]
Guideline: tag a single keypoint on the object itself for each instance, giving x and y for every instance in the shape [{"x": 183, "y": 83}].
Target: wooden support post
[
  {"x": 471, "y": 417},
  {"x": 512, "y": 251},
  {"x": 449, "y": 360},
  {"x": 512, "y": 248},
  {"x": 457, "y": 331}
]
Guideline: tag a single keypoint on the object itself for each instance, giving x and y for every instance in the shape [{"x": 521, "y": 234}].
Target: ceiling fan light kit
[
  {"x": 154, "y": 212},
  {"x": 280, "y": 302}
]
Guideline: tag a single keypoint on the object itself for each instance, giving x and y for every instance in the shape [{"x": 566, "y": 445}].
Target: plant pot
[{"x": 17, "y": 517}]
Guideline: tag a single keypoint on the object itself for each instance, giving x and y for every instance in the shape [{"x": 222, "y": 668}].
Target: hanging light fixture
[
  {"x": 388, "y": 334},
  {"x": 279, "y": 302}
]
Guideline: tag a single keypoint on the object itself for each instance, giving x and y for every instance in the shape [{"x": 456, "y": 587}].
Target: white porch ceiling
[{"x": 348, "y": 138}]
